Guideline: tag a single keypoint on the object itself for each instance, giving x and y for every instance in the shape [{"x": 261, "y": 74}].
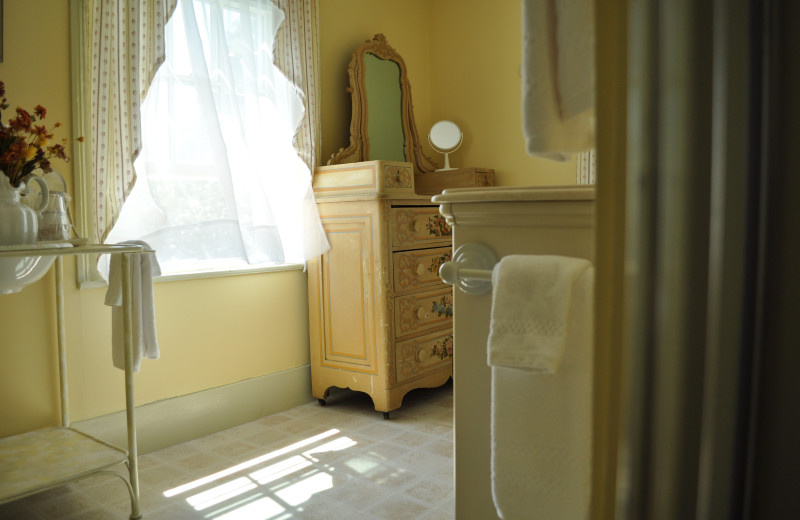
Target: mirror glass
[
  {"x": 445, "y": 136},
  {"x": 384, "y": 99},
  {"x": 382, "y": 123}
]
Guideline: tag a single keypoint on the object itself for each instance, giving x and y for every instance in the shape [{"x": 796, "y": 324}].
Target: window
[{"x": 219, "y": 183}]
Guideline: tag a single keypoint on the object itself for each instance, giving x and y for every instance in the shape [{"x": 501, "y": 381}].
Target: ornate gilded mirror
[{"x": 382, "y": 124}]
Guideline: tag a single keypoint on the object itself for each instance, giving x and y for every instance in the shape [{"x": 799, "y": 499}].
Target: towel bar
[{"x": 470, "y": 269}]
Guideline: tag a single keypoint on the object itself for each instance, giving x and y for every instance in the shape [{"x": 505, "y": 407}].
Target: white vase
[{"x": 18, "y": 222}]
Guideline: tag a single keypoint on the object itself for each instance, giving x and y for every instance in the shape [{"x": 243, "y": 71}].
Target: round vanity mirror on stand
[{"x": 445, "y": 137}]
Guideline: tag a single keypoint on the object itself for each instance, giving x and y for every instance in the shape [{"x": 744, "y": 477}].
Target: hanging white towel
[
  {"x": 558, "y": 77},
  {"x": 144, "y": 267},
  {"x": 541, "y": 401},
  {"x": 530, "y": 300}
]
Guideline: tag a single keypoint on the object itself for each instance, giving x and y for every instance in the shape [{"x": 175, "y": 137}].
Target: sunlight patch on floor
[
  {"x": 302, "y": 491},
  {"x": 262, "y": 509},
  {"x": 362, "y": 464},
  {"x": 342, "y": 443},
  {"x": 267, "y": 492},
  {"x": 280, "y": 469},
  {"x": 221, "y": 493},
  {"x": 248, "y": 464}
]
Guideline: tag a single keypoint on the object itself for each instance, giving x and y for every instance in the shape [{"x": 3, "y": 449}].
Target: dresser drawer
[
  {"x": 420, "y": 268},
  {"x": 414, "y": 227},
  {"x": 422, "y": 311},
  {"x": 424, "y": 354}
]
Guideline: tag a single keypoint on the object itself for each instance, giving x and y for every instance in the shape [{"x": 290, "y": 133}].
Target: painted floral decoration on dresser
[
  {"x": 397, "y": 177},
  {"x": 437, "y": 226},
  {"x": 437, "y": 262},
  {"x": 444, "y": 306},
  {"x": 25, "y": 145},
  {"x": 444, "y": 348}
]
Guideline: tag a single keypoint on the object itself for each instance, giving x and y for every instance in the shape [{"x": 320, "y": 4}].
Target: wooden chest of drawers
[{"x": 380, "y": 318}]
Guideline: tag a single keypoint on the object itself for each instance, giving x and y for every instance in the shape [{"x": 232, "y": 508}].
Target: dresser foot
[
  {"x": 386, "y": 415},
  {"x": 321, "y": 402}
]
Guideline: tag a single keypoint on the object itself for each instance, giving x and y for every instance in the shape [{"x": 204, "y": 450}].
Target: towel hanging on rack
[
  {"x": 540, "y": 352},
  {"x": 558, "y": 77},
  {"x": 144, "y": 267},
  {"x": 530, "y": 302}
]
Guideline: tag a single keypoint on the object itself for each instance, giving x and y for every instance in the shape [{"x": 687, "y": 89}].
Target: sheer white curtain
[{"x": 219, "y": 183}]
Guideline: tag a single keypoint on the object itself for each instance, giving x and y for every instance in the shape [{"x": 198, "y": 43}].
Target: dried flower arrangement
[{"x": 24, "y": 145}]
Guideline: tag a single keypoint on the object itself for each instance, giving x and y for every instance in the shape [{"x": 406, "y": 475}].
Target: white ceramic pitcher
[{"x": 19, "y": 222}]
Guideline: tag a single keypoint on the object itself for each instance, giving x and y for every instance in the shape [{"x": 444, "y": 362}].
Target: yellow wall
[
  {"x": 463, "y": 63},
  {"x": 35, "y": 70},
  {"x": 476, "y": 54}
]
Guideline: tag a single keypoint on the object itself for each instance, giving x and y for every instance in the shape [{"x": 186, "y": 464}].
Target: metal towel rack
[{"x": 470, "y": 269}]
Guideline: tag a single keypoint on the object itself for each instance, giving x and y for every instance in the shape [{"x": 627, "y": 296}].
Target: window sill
[
  {"x": 218, "y": 273},
  {"x": 212, "y": 273}
]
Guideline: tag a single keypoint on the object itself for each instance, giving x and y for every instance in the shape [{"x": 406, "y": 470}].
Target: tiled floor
[{"x": 341, "y": 461}]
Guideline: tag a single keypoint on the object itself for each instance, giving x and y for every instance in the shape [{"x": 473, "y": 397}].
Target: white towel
[
  {"x": 541, "y": 405},
  {"x": 558, "y": 77},
  {"x": 144, "y": 268},
  {"x": 530, "y": 300}
]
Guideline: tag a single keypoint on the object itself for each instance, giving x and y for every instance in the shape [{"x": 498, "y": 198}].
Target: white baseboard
[{"x": 180, "y": 419}]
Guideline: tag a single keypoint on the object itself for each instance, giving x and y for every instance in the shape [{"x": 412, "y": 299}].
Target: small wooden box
[{"x": 433, "y": 183}]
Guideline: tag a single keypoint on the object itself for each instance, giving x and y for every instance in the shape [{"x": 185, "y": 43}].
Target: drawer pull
[
  {"x": 422, "y": 355},
  {"x": 418, "y": 225},
  {"x": 420, "y": 312}
]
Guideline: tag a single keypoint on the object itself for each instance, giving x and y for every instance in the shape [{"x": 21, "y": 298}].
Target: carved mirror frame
[{"x": 359, "y": 132}]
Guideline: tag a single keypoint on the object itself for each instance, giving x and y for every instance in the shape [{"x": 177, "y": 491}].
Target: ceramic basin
[{"x": 18, "y": 271}]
